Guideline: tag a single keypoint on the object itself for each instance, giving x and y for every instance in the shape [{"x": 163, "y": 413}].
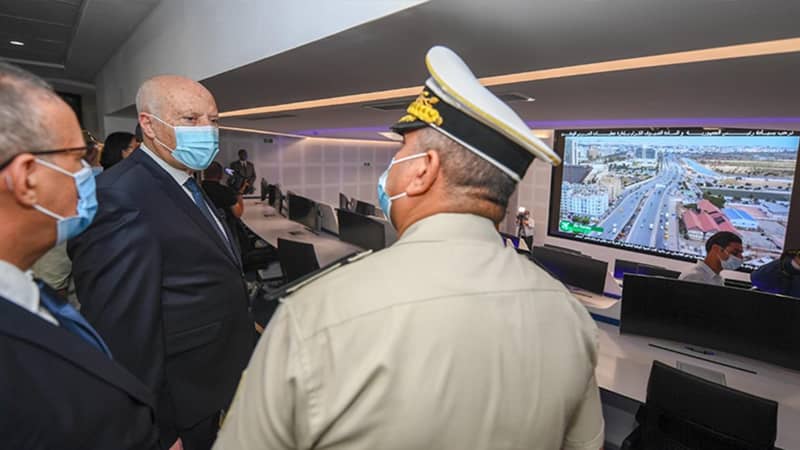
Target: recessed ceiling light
[
  {"x": 17, "y": 43},
  {"x": 530, "y": 99}
]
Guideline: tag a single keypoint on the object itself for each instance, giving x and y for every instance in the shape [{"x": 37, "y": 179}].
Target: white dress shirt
[
  {"x": 701, "y": 273},
  {"x": 18, "y": 287},
  {"x": 180, "y": 177}
]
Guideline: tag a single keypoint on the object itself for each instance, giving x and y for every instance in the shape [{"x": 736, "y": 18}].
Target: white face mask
[
  {"x": 732, "y": 263},
  {"x": 384, "y": 198}
]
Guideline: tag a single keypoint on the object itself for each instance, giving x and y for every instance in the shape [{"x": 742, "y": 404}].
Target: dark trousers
[{"x": 202, "y": 435}]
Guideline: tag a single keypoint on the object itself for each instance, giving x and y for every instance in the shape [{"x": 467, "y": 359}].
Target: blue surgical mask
[
  {"x": 195, "y": 147},
  {"x": 97, "y": 170},
  {"x": 732, "y": 263},
  {"x": 384, "y": 198},
  {"x": 69, "y": 227}
]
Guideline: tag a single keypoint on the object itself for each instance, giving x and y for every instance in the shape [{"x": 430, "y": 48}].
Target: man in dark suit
[
  {"x": 156, "y": 272},
  {"x": 60, "y": 388},
  {"x": 244, "y": 174}
]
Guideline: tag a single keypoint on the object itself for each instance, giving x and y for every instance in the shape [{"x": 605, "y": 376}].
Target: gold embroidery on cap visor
[{"x": 423, "y": 109}]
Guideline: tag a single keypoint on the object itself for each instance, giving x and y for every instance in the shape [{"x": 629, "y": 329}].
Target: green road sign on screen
[{"x": 576, "y": 228}]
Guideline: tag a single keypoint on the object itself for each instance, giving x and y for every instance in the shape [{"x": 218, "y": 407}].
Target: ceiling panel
[
  {"x": 499, "y": 37},
  {"x": 51, "y": 11},
  {"x": 749, "y": 92},
  {"x": 44, "y": 26},
  {"x": 80, "y": 35}
]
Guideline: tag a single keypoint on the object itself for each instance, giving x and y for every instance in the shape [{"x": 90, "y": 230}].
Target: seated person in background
[
  {"x": 723, "y": 251},
  {"x": 781, "y": 276},
  {"x": 60, "y": 388},
  {"x": 118, "y": 146},
  {"x": 231, "y": 203},
  {"x": 223, "y": 197}
]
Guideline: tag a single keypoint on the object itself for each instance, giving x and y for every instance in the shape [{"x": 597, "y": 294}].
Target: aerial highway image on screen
[{"x": 669, "y": 191}]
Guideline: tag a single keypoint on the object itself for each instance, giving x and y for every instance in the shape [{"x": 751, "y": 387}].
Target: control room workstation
[
  {"x": 650, "y": 200},
  {"x": 640, "y": 204}
]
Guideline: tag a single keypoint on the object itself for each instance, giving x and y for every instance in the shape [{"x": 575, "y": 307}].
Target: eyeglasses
[{"x": 44, "y": 152}]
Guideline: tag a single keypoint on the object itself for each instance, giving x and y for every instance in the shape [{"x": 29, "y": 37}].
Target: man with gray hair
[
  {"x": 157, "y": 272},
  {"x": 446, "y": 340},
  {"x": 60, "y": 387}
]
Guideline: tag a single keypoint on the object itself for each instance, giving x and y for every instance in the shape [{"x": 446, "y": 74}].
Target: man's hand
[{"x": 178, "y": 445}]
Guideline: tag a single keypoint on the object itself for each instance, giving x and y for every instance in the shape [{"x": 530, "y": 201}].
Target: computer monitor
[
  {"x": 361, "y": 230},
  {"x": 304, "y": 211},
  {"x": 297, "y": 258},
  {"x": 741, "y": 284},
  {"x": 563, "y": 249},
  {"x": 657, "y": 186},
  {"x": 344, "y": 202},
  {"x": 328, "y": 219},
  {"x": 264, "y": 189},
  {"x": 750, "y": 323},
  {"x": 275, "y": 197},
  {"x": 656, "y": 271},
  {"x": 573, "y": 270},
  {"x": 367, "y": 209},
  {"x": 623, "y": 266}
]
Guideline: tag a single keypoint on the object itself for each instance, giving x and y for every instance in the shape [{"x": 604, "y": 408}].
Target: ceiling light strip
[
  {"x": 644, "y": 62},
  {"x": 297, "y": 136},
  {"x": 343, "y": 100},
  {"x": 686, "y": 57}
]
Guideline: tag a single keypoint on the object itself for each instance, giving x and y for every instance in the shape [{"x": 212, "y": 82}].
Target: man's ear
[
  {"x": 22, "y": 179},
  {"x": 425, "y": 171},
  {"x": 146, "y": 122}
]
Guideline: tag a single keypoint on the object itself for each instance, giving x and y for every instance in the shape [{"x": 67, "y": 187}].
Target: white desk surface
[
  {"x": 327, "y": 246},
  {"x": 624, "y": 364}
]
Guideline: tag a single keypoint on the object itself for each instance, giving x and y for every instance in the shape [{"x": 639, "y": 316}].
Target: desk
[
  {"x": 327, "y": 246},
  {"x": 624, "y": 362}
]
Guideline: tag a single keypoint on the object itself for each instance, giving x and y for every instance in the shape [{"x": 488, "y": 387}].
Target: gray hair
[
  {"x": 148, "y": 97},
  {"x": 22, "y": 126},
  {"x": 466, "y": 173}
]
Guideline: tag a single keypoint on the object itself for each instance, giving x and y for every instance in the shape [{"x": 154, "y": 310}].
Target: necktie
[
  {"x": 197, "y": 195},
  {"x": 71, "y": 320}
]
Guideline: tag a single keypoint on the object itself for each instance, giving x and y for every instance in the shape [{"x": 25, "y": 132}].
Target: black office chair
[
  {"x": 685, "y": 412},
  {"x": 296, "y": 258}
]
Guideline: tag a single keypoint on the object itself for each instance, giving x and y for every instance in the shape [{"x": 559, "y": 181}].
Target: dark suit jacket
[
  {"x": 59, "y": 392},
  {"x": 165, "y": 292},
  {"x": 245, "y": 171},
  {"x": 778, "y": 277}
]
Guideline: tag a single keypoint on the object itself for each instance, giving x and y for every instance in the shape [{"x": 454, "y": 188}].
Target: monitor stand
[
  {"x": 302, "y": 231},
  {"x": 702, "y": 354},
  {"x": 579, "y": 292},
  {"x": 702, "y": 372}
]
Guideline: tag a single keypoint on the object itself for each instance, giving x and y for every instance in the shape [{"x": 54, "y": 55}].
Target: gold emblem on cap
[{"x": 423, "y": 109}]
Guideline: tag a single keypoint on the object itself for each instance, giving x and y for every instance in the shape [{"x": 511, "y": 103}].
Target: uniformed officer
[{"x": 446, "y": 340}]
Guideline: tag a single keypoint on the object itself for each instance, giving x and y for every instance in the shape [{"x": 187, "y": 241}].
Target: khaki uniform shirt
[{"x": 446, "y": 340}]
